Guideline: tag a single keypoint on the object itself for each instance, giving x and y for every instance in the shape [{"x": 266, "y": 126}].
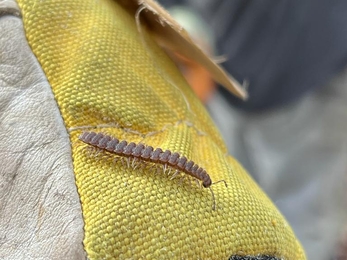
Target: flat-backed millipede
[{"x": 149, "y": 154}]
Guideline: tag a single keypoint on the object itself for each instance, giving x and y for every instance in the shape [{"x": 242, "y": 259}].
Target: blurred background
[{"x": 291, "y": 134}]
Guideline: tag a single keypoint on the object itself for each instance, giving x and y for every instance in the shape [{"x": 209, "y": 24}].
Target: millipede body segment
[{"x": 149, "y": 154}]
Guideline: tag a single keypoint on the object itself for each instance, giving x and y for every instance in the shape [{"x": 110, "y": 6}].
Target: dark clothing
[{"x": 284, "y": 48}]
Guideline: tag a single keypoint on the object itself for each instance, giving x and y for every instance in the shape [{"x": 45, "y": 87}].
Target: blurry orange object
[{"x": 197, "y": 76}]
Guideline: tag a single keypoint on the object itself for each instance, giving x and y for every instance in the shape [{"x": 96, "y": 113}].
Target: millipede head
[{"x": 207, "y": 183}]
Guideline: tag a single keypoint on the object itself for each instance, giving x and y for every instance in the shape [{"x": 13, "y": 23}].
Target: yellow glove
[{"x": 105, "y": 79}]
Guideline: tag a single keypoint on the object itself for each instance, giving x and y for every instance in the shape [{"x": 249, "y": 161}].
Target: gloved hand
[{"x": 76, "y": 66}]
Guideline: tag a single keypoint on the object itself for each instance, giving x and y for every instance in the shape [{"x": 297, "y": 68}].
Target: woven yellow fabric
[{"x": 108, "y": 78}]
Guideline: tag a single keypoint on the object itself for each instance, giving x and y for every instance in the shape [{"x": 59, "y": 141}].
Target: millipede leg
[
  {"x": 166, "y": 168},
  {"x": 175, "y": 174},
  {"x": 142, "y": 166},
  {"x": 103, "y": 157},
  {"x": 128, "y": 162},
  {"x": 169, "y": 171},
  {"x": 134, "y": 162},
  {"x": 137, "y": 164},
  {"x": 123, "y": 162},
  {"x": 97, "y": 152}
]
